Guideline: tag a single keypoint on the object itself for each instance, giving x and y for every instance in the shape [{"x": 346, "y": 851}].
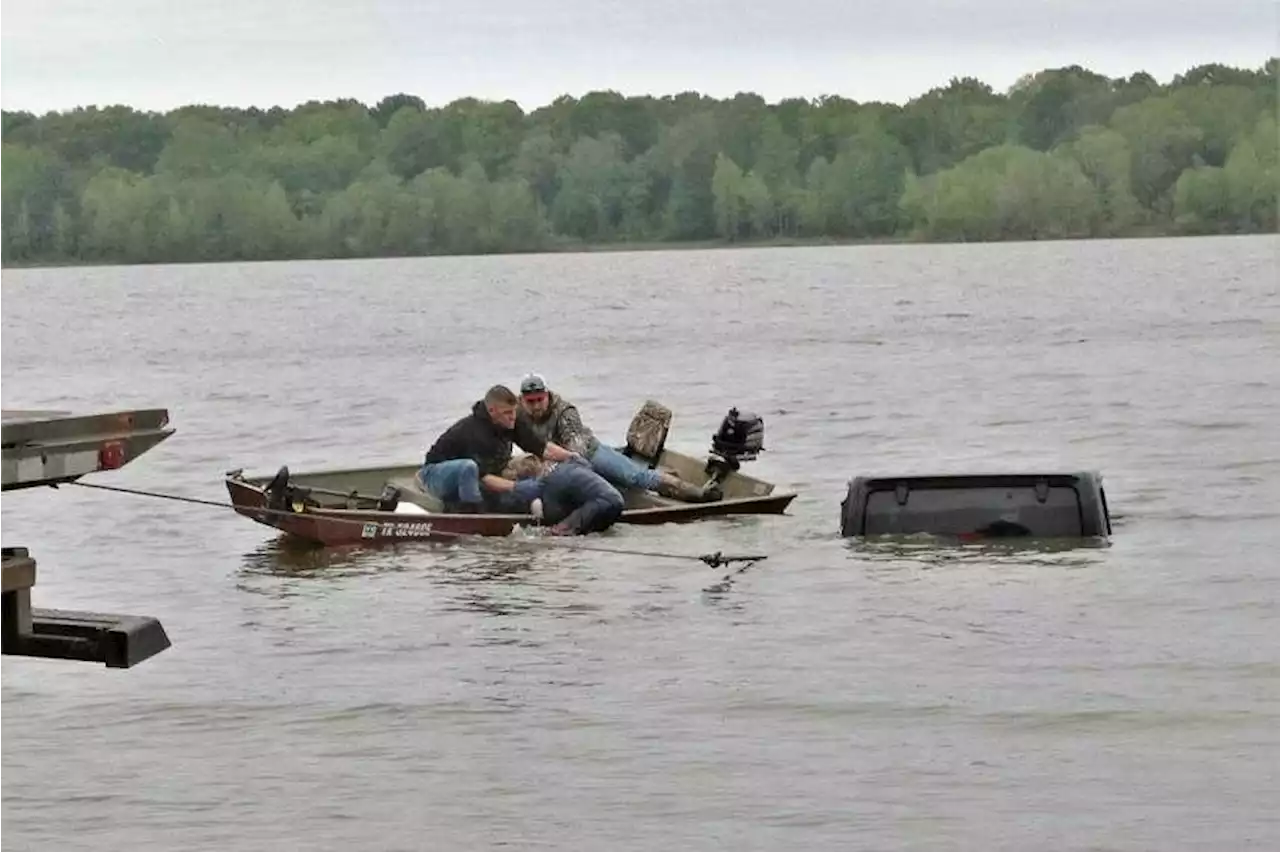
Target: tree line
[{"x": 1064, "y": 153}]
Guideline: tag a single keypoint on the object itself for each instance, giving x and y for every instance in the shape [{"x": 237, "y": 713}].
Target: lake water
[{"x": 836, "y": 696}]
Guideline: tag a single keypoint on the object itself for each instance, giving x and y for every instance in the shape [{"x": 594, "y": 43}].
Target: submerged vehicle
[
  {"x": 364, "y": 505},
  {"x": 978, "y": 505}
]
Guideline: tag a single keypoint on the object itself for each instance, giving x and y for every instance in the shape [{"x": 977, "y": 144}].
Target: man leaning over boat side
[
  {"x": 554, "y": 418},
  {"x": 463, "y": 468},
  {"x": 569, "y": 495}
]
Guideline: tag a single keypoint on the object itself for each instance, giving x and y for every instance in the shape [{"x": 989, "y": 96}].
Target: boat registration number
[{"x": 408, "y": 529}]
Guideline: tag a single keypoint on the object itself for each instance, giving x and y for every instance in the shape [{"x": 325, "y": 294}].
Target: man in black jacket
[{"x": 464, "y": 466}]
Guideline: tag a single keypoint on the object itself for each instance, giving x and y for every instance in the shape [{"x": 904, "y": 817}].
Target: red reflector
[{"x": 111, "y": 455}]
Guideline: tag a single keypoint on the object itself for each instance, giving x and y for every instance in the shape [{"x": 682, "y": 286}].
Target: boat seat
[
  {"x": 647, "y": 434},
  {"x": 411, "y": 492}
]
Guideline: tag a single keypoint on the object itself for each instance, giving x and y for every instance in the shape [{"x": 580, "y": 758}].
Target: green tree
[
  {"x": 1007, "y": 192},
  {"x": 865, "y": 184},
  {"x": 199, "y": 148},
  {"x": 113, "y": 218},
  {"x": 685, "y": 163},
  {"x": 538, "y": 164},
  {"x": 593, "y": 188},
  {"x": 946, "y": 125},
  {"x": 727, "y": 193},
  {"x": 34, "y": 183},
  {"x": 1252, "y": 176},
  {"x": 115, "y": 135},
  {"x": 1162, "y": 141},
  {"x": 1052, "y": 105},
  {"x": 1065, "y": 152},
  {"x": 392, "y": 104},
  {"x": 1104, "y": 158},
  {"x": 1202, "y": 200}
]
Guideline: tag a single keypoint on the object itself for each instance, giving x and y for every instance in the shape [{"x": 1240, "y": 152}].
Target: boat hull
[{"x": 332, "y": 527}]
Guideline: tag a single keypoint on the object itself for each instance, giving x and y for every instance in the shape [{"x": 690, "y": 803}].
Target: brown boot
[{"x": 679, "y": 489}]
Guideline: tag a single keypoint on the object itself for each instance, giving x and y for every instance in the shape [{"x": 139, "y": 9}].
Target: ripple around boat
[{"x": 367, "y": 505}]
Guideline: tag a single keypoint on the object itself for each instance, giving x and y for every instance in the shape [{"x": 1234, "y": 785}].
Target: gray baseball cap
[{"x": 533, "y": 383}]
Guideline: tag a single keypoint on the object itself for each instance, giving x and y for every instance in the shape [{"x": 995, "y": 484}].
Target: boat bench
[{"x": 411, "y": 492}]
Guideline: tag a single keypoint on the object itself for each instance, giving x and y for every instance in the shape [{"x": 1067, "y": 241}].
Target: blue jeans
[
  {"x": 622, "y": 471},
  {"x": 580, "y": 498},
  {"x": 453, "y": 481}
]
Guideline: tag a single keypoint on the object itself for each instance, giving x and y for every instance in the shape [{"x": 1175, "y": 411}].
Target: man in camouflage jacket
[{"x": 556, "y": 419}]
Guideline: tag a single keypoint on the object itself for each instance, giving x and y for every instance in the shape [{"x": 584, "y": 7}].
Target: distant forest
[{"x": 1065, "y": 153}]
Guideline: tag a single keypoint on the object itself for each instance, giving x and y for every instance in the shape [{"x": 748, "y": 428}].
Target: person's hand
[{"x": 535, "y": 508}]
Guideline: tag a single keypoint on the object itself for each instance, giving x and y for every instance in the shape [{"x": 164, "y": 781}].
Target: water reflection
[
  {"x": 287, "y": 557},
  {"x": 499, "y": 577},
  {"x": 494, "y": 582}
]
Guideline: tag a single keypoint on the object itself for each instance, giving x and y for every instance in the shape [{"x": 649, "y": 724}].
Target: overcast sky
[{"x": 158, "y": 54}]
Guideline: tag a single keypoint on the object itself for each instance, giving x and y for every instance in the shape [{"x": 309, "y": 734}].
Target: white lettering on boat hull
[{"x": 411, "y": 529}]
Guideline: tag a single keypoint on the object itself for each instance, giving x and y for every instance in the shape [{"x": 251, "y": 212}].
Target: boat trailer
[{"x": 43, "y": 448}]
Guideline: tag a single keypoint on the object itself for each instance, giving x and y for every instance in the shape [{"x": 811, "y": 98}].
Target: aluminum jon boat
[{"x": 380, "y": 504}]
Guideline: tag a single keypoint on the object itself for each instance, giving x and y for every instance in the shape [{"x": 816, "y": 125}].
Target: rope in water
[{"x": 715, "y": 560}]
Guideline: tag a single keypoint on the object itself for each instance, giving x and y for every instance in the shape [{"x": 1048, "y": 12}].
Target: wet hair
[
  {"x": 522, "y": 467},
  {"x": 500, "y": 395}
]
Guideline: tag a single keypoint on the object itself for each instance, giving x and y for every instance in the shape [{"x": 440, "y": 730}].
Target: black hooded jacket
[{"x": 478, "y": 438}]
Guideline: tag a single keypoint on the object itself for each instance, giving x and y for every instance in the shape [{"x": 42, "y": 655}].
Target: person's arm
[
  {"x": 527, "y": 489},
  {"x": 571, "y": 433},
  {"x": 496, "y": 484},
  {"x": 555, "y": 452}
]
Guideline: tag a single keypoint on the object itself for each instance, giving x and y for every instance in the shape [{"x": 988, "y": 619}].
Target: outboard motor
[{"x": 740, "y": 438}]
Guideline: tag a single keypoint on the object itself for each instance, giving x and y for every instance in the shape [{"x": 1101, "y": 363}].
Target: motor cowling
[{"x": 740, "y": 436}]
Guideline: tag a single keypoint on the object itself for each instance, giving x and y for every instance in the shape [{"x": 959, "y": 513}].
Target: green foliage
[
  {"x": 1238, "y": 197},
  {"x": 1006, "y": 192},
  {"x": 1104, "y": 158},
  {"x": 1065, "y": 153},
  {"x": 34, "y": 184}
]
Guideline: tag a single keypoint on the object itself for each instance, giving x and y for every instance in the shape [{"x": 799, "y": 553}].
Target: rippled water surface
[{"x": 839, "y": 695}]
